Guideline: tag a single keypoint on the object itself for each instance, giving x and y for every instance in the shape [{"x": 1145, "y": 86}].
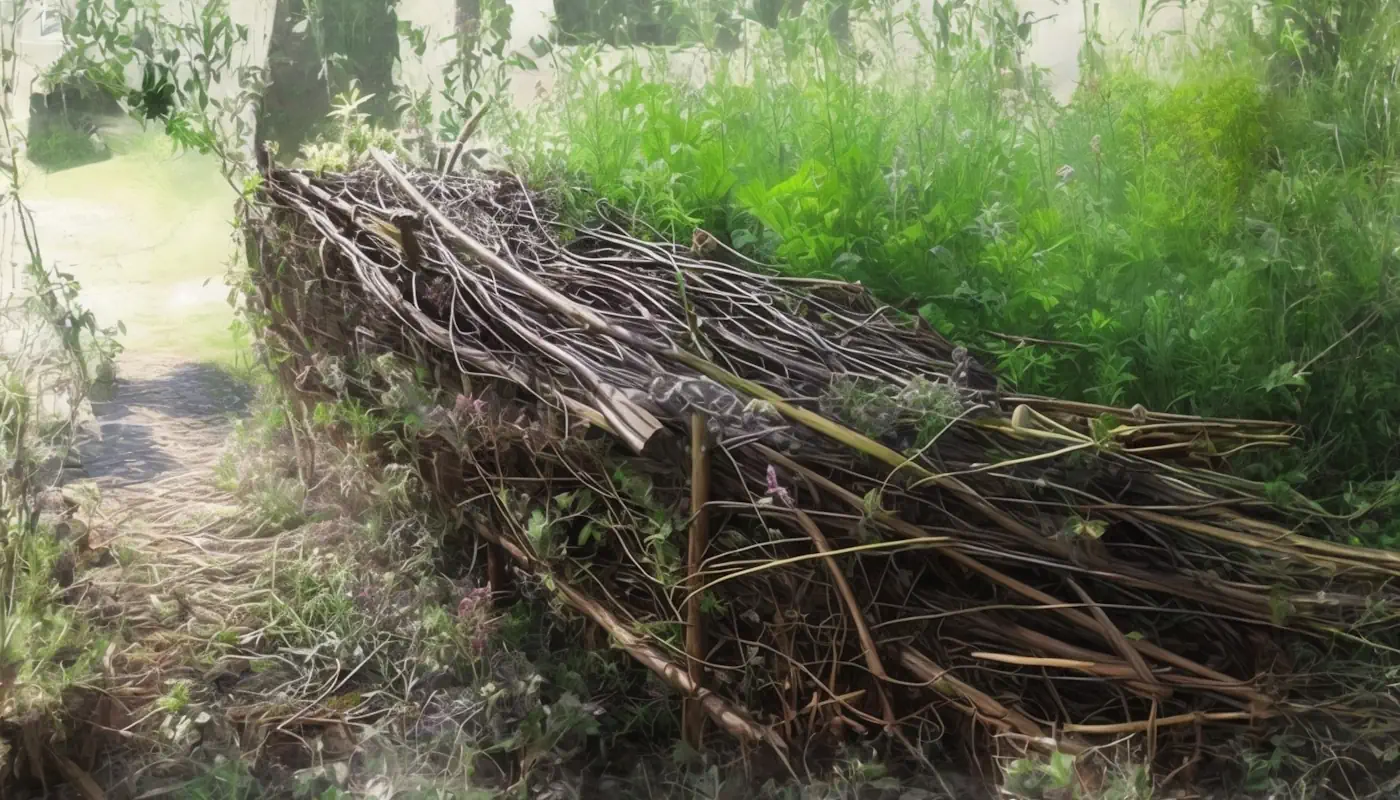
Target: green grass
[
  {"x": 1221, "y": 242},
  {"x": 58, "y": 144},
  {"x": 49, "y": 643},
  {"x": 148, "y": 235}
]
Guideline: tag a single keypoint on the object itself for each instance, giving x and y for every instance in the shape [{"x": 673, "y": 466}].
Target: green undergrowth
[
  {"x": 50, "y": 646},
  {"x": 1205, "y": 227},
  {"x": 372, "y": 606}
]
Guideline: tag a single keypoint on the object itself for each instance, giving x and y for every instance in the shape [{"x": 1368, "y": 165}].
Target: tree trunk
[{"x": 358, "y": 42}]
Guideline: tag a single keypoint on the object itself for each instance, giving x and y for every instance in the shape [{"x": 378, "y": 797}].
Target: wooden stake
[
  {"x": 497, "y": 573},
  {"x": 692, "y": 716}
]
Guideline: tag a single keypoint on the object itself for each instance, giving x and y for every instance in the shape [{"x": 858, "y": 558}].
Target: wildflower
[
  {"x": 471, "y": 610},
  {"x": 473, "y": 601},
  {"x": 1095, "y": 144},
  {"x": 776, "y": 491},
  {"x": 1065, "y": 174},
  {"x": 466, "y": 405}
]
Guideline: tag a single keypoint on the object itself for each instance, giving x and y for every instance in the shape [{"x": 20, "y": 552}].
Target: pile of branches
[{"x": 813, "y": 516}]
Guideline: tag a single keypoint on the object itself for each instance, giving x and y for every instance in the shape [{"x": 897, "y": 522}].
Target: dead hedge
[{"x": 812, "y": 516}]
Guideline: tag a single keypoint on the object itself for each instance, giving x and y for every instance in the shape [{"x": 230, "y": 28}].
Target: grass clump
[
  {"x": 60, "y": 142},
  {"x": 49, "y": 646}
]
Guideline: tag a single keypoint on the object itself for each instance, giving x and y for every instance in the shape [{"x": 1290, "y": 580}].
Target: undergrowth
[
  {"x": 1206, "y": 227},
  {"x": 369, "y": 634}
]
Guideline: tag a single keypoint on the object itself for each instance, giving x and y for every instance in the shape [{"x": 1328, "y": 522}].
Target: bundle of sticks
[{"x": 810, "y": 514}]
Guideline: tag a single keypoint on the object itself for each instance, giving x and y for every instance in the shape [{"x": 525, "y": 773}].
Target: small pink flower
[{"x": 775, "y": 490}]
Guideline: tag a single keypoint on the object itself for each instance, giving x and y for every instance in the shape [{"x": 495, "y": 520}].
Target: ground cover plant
[{"x": 1205, "y": 225}]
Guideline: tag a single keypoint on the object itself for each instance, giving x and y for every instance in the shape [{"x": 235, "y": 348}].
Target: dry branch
[{"x": 697, "y": 543}]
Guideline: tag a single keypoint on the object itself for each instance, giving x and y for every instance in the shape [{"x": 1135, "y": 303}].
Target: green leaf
[
  {"x": 1102, "y": 428},
  {"x": 1061, "y": 769},
  {"x": 592, "y": 532},
  {"x": 872, "y": 502},
  {"x": 1285, "y": 374},
  {"x": 1092, "y": 528},
  {"x": 846, "y": 262},
  {"x": 538, "y": 530}
]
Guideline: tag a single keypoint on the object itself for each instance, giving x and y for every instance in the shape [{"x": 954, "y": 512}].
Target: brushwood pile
[{"x": 809, "y": 514}]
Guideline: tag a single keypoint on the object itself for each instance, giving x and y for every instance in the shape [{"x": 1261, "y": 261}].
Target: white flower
[{"x": 1065, "y": 173}]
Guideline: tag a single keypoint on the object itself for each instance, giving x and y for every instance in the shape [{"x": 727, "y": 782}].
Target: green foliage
[
  {"x": 60, "y": 144},
  {"x": 176, "y": 699},
  {"x": 44, "y": 645},
  {"x": 182, "y": 60},
  {"x": 1055, "y": 777},
  {"x": 352, "y": 136},
  {"x": 53, "y": 351},
  {"x": 227, "y": 781},
  {"x": 1214, "y": 243}
]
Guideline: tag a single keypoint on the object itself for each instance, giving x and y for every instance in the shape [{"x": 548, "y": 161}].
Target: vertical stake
[
  {"x": 497, "y": 573},
  {"x": 692, "y": 716}
]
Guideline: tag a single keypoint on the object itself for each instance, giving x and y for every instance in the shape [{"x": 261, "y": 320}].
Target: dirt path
[
  {"x": 166, "y": 559},
  {"x": 146, "y": 233},
  {"x": 157, "y": 439},
  {"x": 170, "y": 570},
  {"x": 164, "y": 416}
]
